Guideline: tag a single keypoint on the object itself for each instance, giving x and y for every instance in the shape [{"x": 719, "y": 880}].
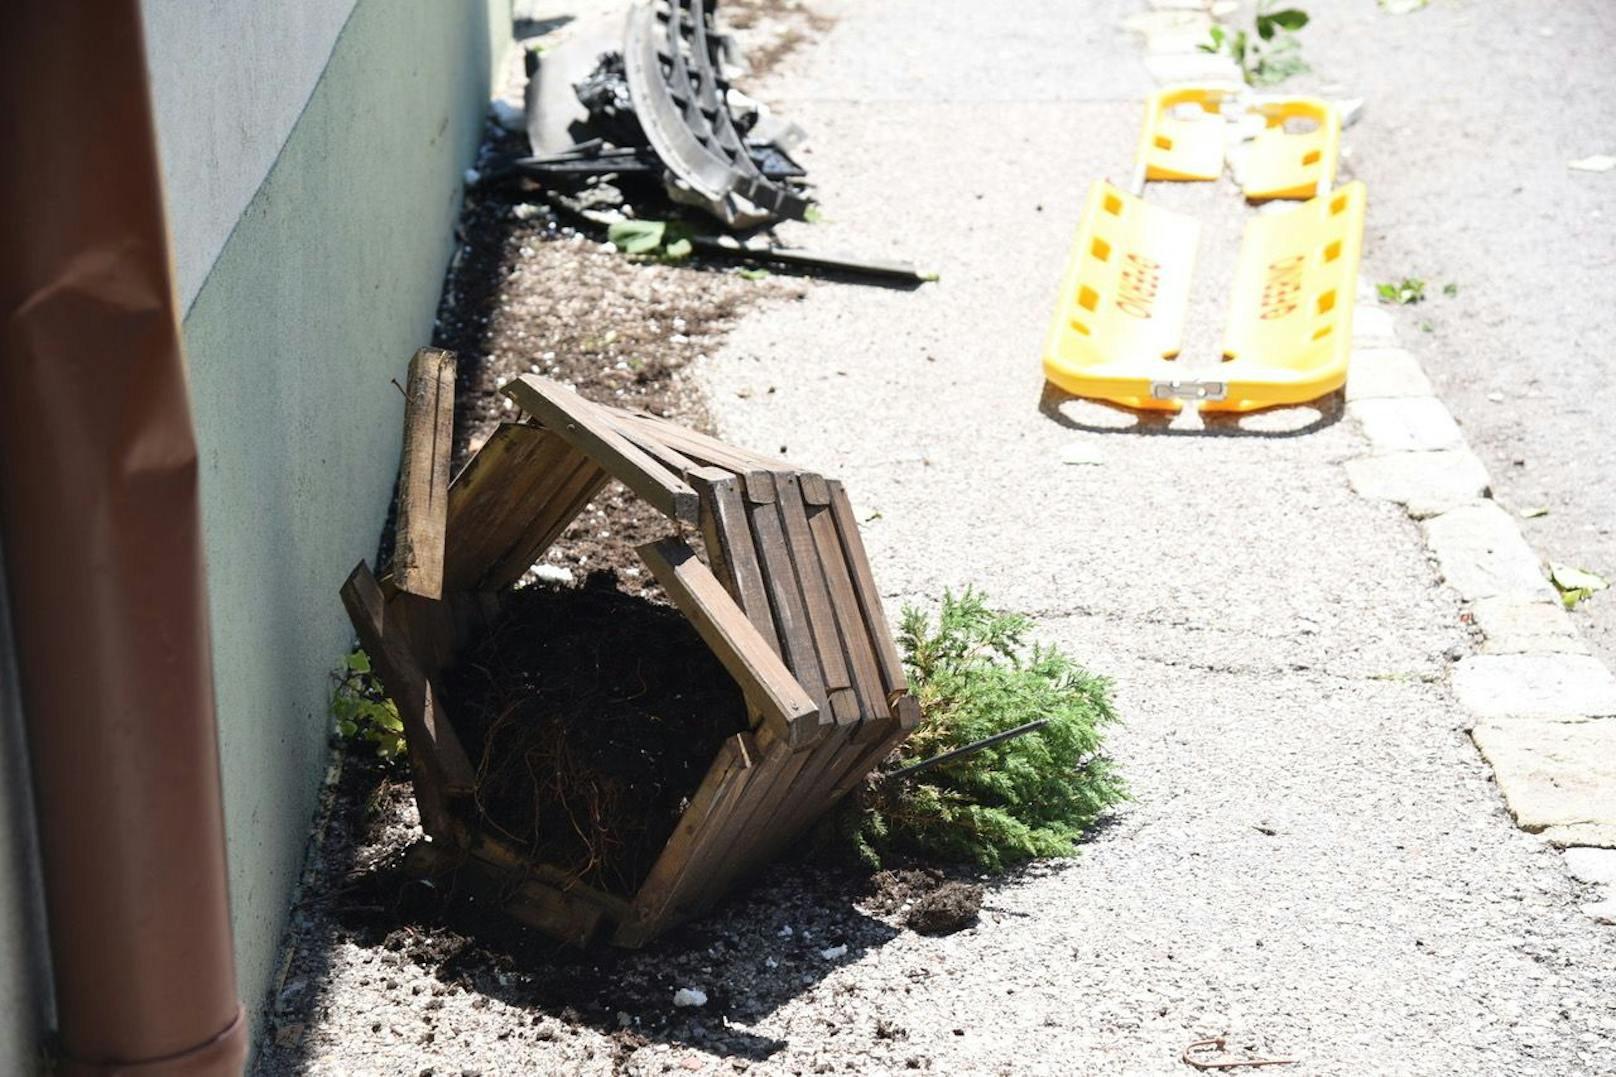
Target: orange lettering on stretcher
[
  {"x": 1140, "y": 280},
  {"x": 1281, "y": 287}
]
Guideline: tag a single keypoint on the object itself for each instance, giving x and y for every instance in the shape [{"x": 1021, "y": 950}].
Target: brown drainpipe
[{"x": 98, "y": 505}]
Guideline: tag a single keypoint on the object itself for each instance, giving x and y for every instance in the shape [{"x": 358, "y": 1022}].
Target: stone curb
[{"x": 1543, "y": 707}]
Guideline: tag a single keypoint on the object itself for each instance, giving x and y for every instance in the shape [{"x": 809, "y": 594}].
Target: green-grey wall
[{"x": 326, "y": 285}]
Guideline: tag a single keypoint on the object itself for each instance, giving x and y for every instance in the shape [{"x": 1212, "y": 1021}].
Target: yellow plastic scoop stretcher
[{"x": 1118, "y": 323}]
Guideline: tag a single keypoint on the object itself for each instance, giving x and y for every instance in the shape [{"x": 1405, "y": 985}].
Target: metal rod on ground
[
  {"x": 792, "y": 256},
  {"x": 977, "y": 746}
]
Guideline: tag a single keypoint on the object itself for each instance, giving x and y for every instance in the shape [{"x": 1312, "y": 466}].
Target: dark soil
[
  {"x": 592, "y": 716},
  {"x": 532, "y": 290},
  {"x": 951, "y": 907}
]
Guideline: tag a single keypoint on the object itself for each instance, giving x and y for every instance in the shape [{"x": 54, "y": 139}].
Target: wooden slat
[
  {"x": 493, "y": 500},
  {"x": 437, "y": 759},
  {"x": 555, "y": 912},
  {"x": 816, "y": 597},
  {"x": 875, "y": 617},
  {"x": 508, "y": 862},
  {"x": 760, "y": 487},
  {"x": 695, "y": 443},
  {"x": 763, "y": 677},
  {"x": 551, "y": 519},
  {"x": 582, "y": 424},
  {"x": 861, "y": 649},
  {"x": 815, "y": 490},
  {"x": 695, "y": 884},
  {"x": 711, "y": 803},
  {"x": 908, "y": 719},
  {"x": 785, "y": 602},
  {"x": 423, "y": 483},
  {"x": 653, "y": 445},
  {"x": 728, "y": 537}
]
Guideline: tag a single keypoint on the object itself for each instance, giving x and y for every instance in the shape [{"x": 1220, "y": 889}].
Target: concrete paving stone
[
  {"x": 1428, "y": 483},
  {"x": 1385, "y": 372},
  {"x": 1192, "y": 67},
  {"x": 1589, "y": 865},
  {"x": 1566, "y": 686},
  {"x": 1179, "y": 5},
  {"x": 1553, "y": 774},
  {"x": 1416, "y": 424},
  {"x": 1481, "y": 554},
  {"x": 1373, "y": 326},
  {"x": 1515, "y": 627},
  {"x": 1581, "y": 835},
  {"x": 1150, "y": 23}
]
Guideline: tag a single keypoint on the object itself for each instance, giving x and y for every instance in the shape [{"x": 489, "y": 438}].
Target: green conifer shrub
[{"x": 974, "y": 675}]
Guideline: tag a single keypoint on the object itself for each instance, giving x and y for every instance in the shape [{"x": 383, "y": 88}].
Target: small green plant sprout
[
  {"x": 1450, "y": 289},
  {"x": 1403, "y": 293},
  {"x": 1575, "y": 584},
  {"x": 362, "y": 710},
  {"x": 666, "y": 241},
  {"x": 974, "y": 675},
  {"x": 1270, "y": 53}
]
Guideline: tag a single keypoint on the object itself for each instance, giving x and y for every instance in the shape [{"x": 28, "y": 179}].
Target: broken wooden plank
[
  {"x": 583, "y": 425},
  {"x": 438, "y": 761},
  {"x": 869, "y": 597},
  {"x": 423, "y": 482},
  {"x": 763, "y": 677}
]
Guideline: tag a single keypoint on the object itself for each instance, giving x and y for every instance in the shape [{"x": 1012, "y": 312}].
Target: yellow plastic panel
[
  {"x": 1120, "y": 314},
  {"x": 1300, "y": 165},
  {"x": 1172, "y": 147},
  {"x": 1290, "y": 319}
]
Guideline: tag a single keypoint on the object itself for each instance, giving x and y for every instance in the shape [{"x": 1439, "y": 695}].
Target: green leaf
[
  {"x": 347, "y": 728},
  {"x": 1534, "y": 512},
  {"x": 359, "y": 661},
  {"x": 752, "y": 274},
  {"x": 813, "y": 215},
  {"x": 678, "y": 250},
  {"x": 635, "y": 236},
  {"x": 1450, "y": 290},
  {"x": 1575, "y": 584},
  {"x": 1292, "y": 19}
]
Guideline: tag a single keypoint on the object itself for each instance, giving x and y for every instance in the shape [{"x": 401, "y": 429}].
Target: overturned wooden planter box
[{"x": 785, "y": 601}]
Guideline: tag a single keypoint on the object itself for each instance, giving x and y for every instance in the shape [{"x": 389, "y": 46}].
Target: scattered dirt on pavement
[
  {"x": 951, "y": 907},
  {"x": 776, "y": 29},
  {"x": 589, "y": 740}
]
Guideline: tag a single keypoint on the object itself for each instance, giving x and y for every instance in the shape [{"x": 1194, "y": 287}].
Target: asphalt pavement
[{"x": 1317, "y": 862}]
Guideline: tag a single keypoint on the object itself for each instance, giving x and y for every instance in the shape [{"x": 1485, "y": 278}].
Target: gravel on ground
[{"x": 1316, "y": 865}]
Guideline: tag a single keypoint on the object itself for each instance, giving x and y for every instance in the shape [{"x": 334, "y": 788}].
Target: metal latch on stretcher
[{"x": 1189, "y": 390}]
